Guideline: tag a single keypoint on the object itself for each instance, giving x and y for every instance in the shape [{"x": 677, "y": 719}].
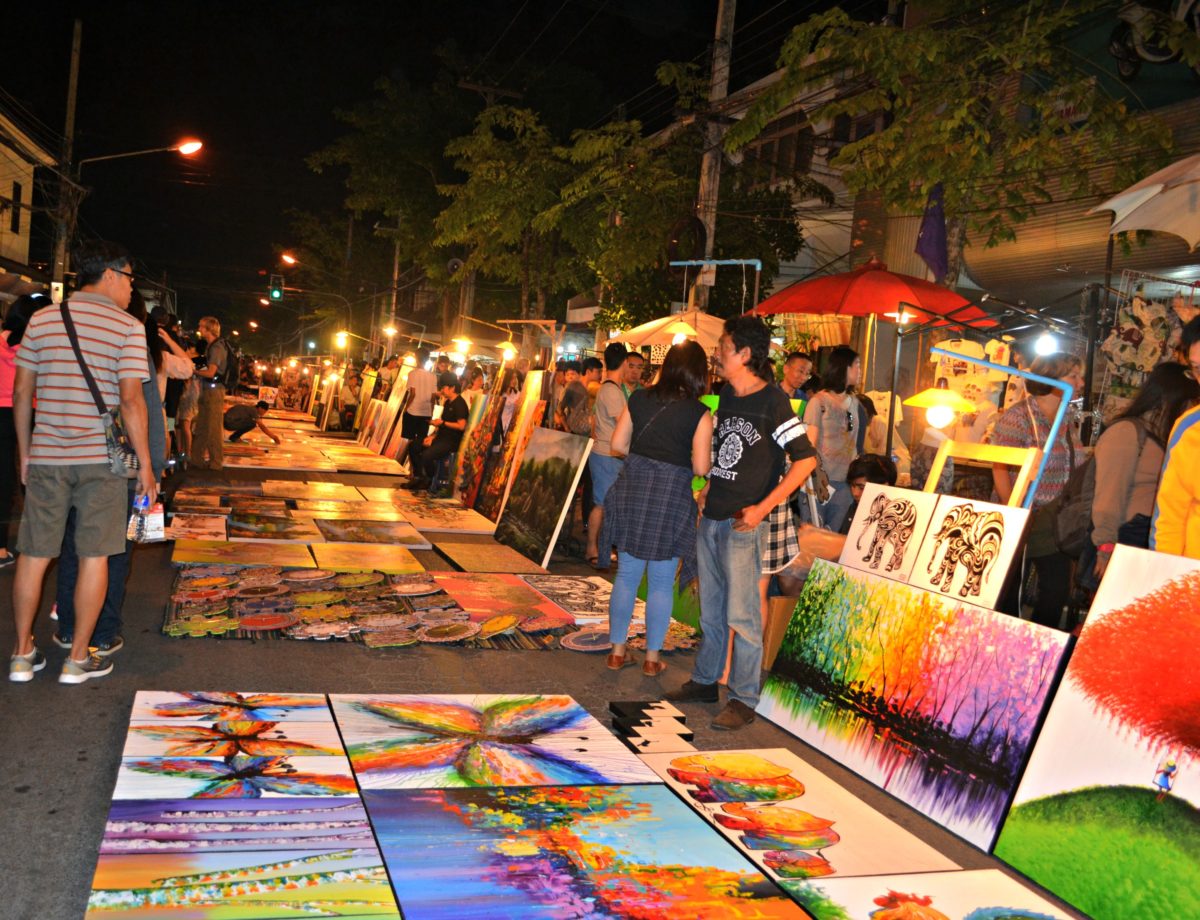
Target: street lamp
[
  {"x": 186, "y": 148},
  {"x": 253, "y": 324}
]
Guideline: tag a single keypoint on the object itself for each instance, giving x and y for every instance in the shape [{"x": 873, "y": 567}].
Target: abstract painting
[
  {"x": 397, "y": 742},
  {"x": 215, "y": 705},
  {"x": 790, "y": 819},
  {"x": 933, "y": 700},
  {"x": 196, "y": 527},
  {"x": 562, "y": 851},
  {"x": 542, "y": 491},
  {"x": 487, "y": 557},
  {"x": 367, "y": 557},
  {"x": 585, "y": 597},
  {"x": 327, "y": 490},
  {"x": 226, "y": 737},
  {"x": 390, "y": 532},
  {"x": 273, "y": 528},
  {"x": 887, "y": 529},
  {"x": 485, "y": 596},
  {"x": 238, "y": 776},
  {"x": 1115, "y": 768},
  {"x": 476, "y": 447},
  {"x": 968, "y": 549},
  {"x": 203, "y": 885},
  {"x": 202, "y": 552},
  {"x": 498, "y": 477},
  {"x": 980, "y": 894}
]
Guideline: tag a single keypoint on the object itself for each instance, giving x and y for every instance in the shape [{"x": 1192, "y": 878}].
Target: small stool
[{"x": 444, "y": 474}]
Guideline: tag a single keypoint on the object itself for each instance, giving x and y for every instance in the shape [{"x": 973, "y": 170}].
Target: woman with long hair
[
  {"x": 834, "y": 419},
  {"x": 650, "y": 512}
]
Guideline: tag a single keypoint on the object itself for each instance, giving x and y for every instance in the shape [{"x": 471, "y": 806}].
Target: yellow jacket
[{"x": 1176, "y": 528}]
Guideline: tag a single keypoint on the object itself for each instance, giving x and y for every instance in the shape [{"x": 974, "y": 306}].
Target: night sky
[{"x": 259, "y": 83}]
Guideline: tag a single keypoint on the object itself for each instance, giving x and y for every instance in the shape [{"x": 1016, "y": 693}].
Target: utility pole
[
  {"x": 68, "y": 201},
  {"x": 710, "y": 163}
]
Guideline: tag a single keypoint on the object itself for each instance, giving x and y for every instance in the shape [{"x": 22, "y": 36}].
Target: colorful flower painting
[
  {"x": 487, "y": 740},
  {"x": 1116, "y": 770},
  {"x": 562, "y": 851},
  {"x": 934, "y": 700},
  {"x": 215, "y": 705}
]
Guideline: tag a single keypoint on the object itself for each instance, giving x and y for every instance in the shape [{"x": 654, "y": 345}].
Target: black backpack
[
  {"x": 1073, "y": 516},
  {"x": 233, "y": 367}
]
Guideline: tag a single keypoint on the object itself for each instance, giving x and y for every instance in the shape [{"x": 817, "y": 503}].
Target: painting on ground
[
  {"x": 968, "y": 549},
  {"x": 273, "y": 528},
  {"x": 227, "y": 737},
  {"x": 1117, "y": 765},
  {"x": 981, "y": 894},
  {"x": 334, "y": 491},
  {"x": 542, "y": 491},
  {"x": 562, "y": 851},
  {"x": 933, "y": 700},
  {"x": 498, "y": 476},
  {"x": 887, "y": 529},
  {"x": 389, "y": 532},
  {"x": 196, "y": 527},
  {"x": 435, "y": 515},
  {"x": 400, "y": 742},
  {"x": 349, "y": 511},
  {"x": 205, "y": 552},
  {"x": 487, "y": 557},
  {"x": 485, "y": 596},
  {"x": 238, "y": 776},
  {"x": 790, "y": 819},
  {"x": 585, "y": 597},
  {"x": 284, "y": 882},
  {"x": 367, "y": 557},
  {"x": 215, "y": 705}
]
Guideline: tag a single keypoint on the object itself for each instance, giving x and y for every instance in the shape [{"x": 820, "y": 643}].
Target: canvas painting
[
  {"x": 968, "y": 549},
  {"x": 238, "y": 776},
  {"x": 498, "y": 475},
  {"x": 476, "y": 410},
  {"x": 328, "y": 490},
  {"x": 933, "y": 700},
  {"x": 202, "y": 885},
  {"x": 367, "y": 557},
  {"x": 203, "y": 485},
  {"x": 197, "y": 499},
  {"x": 542, "y": 491},
  {"x": 250, "y": 504},
  {"x": 487, "y": 557},
  {"x": 199, "y": 552},
  {"x": 475, "y": 449},
  {"x": 273, "y": 528},
  {"x": 562, "y": 851},
  {"x": 790, "y": 819},
  {"x": 980, "y": 894},
  {"x": 483, "y": 596},
  {"x": 389, "y": 532},
  {"x": 233, "y": 825},
  {"x": 398, "y": 742},
  {"x": 432, "y": 515},
  {"x": 585, "y": 597},
  {"x": 887, "y": 529},
  {"x": 196, "y": 527},
  {"x": 215, "y": 705},
  {"x": 227, "y": 737},
  {"x": 362, "y": 511},
  {"x": 390, "y": 414},
  {"x": 1117, "y": 765}
]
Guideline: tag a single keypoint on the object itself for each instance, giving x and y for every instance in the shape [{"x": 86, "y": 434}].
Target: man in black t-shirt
[
  {"x": 450, "y": 429},
  {"x": 755, "y": 429}
]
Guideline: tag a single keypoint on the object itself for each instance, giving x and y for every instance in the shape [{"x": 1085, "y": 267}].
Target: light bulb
[
  {"x": 679, "y": 338},
  {"x": 1046, "y": 344},
  {"x": 939, "y": 416}
]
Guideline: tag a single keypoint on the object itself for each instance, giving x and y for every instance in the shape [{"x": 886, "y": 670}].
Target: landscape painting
[
  {"x": 367, "y": 557},
  {"x": 563, "y": 851},
  {"x": 397, "y": 742},
  {"x": 273, "y": 528},
  {"x": 390, "y": 532},
  {"x": 487, "y": 557},
  {"x": 1115, "y": 767},
  {"x": 261, "y": 552},
  {"x": 933, "y": 700},
  {"x": 335, "y": 491},
  {"x": 887, "y": 529},
  {"x": 498, "y": 475},
  {"x": 196, "y": 527},
  {"x": 542, "y": 491}
]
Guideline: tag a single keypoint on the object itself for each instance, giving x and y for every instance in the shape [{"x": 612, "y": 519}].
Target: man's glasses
[{"x": 130, "y": 275}]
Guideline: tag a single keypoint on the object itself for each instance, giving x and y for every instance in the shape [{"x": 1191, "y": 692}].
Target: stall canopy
[
  {"x": 1167, "y": 201},
  {"x": 666, "y": 331}
]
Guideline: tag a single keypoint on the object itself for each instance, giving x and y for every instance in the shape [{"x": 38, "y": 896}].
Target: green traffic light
[{"x": 276, "y": 294}]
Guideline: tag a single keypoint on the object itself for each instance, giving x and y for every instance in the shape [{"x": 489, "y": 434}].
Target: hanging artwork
[
  {"x": 542, "y": 491},
  {"x": 273, "y": 528},
  {"x": 585, "y": 597},
  {"x": 562, "y": 851},
  {"x": 476, "y": 447},
  {"x": 196, "y": 527},
  {"x": 968, "y": 549},
  {"x": 389, "y": 532},
  {"x": 292, "y": 555},
  {"x": 1116, "y": 764},
  {"x": 367, "y": 557},
  {"x": 331, "y": 491},
  {"x": 399, "y": 742},
  {"x": 791, "y": 820},
  {"x": 498, "y": 477},
  {"x": 488, "y": 556},
  {"x": 887, "y": 529},
  {"x": 981, "y": 894},
  {"x": 934, "y": 700}
]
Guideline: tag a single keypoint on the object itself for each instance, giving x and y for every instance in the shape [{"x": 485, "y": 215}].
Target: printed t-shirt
[
  {"x": 752, "y": 435},
  {"x": 423, "y": 386},
  {"x": 663, "y": 431},
  {"x": 67, "y": 430},
  {"x": 610, "y": 403}
]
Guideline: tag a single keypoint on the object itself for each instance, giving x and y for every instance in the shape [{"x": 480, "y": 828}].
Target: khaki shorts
[{"x": 100, "y": 500}]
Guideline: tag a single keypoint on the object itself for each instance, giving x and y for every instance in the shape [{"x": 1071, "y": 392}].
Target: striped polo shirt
[{"x": 67, "y": 429}]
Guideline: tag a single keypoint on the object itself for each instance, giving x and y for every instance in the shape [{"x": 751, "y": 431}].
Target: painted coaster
[
  {"x": 317, "y": 598},
  {"x": 205, "y": 582},
  {"x": 388, "y": 621},
  {"x": 391, "y": 638},
  {"x": 322, "y": 631},
  {"x": 376, "y": 608},
  {"x": 501, "y": 623},
  {"x": 268, "y": 620},
  {"x": 197, "y": 626},
  {"x": 358, "y": 579},
  {"x": 259, "y": 581},
  {"x": 200, "y": 597},
  {"x": 188, "y": 611},
  {"x": 210, "y": 571},
  {"x": 415, "y": 588},
  {"x": 324, "y": 614},
  {"x": 544, "y": 623},
  {"x": 266, "y": 604},
  {"x": 308, "y": 575},
  {"x": 439, "y": 601},
  {"x": 434, "y": 617},
  {"x": 587, "y": 640},
  {"x": 254, "y": 591},
  {"x": 448, "y": 632}
]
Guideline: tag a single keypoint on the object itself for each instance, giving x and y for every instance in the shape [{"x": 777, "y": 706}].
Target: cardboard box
[{"x": 779, "y": 614}]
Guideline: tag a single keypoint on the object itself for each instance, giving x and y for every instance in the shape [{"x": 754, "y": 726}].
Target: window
[
  {"x": 14, "y": 220},
  {"x": 783, "y": 150}
]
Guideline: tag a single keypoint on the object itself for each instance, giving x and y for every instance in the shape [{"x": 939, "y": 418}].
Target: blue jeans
[
  {"x": 660, "y": 598},
  {"x": 730, "y": 566},
  {"x": 834, "y": 511},
  {"x": 108, "y": 627}
]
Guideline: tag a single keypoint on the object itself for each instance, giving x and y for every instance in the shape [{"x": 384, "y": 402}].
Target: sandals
[
  {"x": 653, "y": 668},
  {"x": 617, "y": 662}
]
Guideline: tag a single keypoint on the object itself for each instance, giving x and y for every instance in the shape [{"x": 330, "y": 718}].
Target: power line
[
  {"x": 496, "y": 44},
  {"x": 561, "y": 51},
  {"x": 536, "y": 38}
]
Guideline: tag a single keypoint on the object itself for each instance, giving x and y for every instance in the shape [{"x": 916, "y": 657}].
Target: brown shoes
[
  {"x": 653, "y": 668},
  {"x": 616, "y": 662},
  {"x": 735, "y": 715}
]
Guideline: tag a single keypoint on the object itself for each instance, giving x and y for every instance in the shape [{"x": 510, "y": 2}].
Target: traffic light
[{"x": 275, "y": 290}]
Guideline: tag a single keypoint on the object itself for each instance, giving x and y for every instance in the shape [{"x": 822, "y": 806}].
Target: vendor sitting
[
  {"x": 241, "y": 419},
  {"x": 450, "y": 429}
]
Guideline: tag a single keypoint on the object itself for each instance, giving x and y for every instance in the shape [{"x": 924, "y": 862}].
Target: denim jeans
[
  {"x": 834, "y": 511},
  {"x": 660, "y": 598},
  {"x": 730, "y": 565},
  {"x": 108, "y": 627}
]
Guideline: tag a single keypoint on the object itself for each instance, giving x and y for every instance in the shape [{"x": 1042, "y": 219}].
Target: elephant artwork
[
  {"x": 894, "y": 521},
  {"x": 887, "y": 529}
]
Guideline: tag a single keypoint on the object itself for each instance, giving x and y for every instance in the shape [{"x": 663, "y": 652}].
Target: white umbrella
[
  {"x": 704, "y": 328},
  {"x": 1168, "y": 201}
]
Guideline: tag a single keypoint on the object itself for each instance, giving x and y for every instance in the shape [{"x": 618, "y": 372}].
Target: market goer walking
[
  {"x": 207, "y": 450},
  {"x": 605, "y": 461}
]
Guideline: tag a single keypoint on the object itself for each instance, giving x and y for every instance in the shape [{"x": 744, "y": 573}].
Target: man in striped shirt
[{"x": 64, "y": 460}]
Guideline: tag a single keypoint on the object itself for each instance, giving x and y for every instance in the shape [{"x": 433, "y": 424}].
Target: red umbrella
[{"x": 871, "y": 288}]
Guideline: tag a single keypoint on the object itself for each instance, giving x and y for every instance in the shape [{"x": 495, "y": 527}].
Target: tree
[{"x": 985, "y": 100}]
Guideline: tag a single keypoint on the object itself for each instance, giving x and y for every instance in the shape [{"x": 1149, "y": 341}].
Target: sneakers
[
  {"x": 61, "y": 642},
  {"x": 7, "y": 560},
  {"x": 76, "y": 672},
  {"x": 692, "y": 692},
  {"x": 103, "y": 649},
  {"x": 21, "y": 668},
  {"x": 735, "y": 715}
]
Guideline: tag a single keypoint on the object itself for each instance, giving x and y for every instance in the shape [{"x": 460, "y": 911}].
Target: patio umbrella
[
  {"x": 705, "y": 328},
  {"x": 1167, "y": 201}
]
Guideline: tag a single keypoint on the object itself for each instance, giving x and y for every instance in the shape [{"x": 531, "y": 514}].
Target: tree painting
[{"x": 934, "y": 699}]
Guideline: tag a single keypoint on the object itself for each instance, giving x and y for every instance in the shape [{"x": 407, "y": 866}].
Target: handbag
[{"x": 122, "y": 458}]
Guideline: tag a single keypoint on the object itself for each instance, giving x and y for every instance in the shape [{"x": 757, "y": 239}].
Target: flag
[{"x": 931, "y": 240}]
